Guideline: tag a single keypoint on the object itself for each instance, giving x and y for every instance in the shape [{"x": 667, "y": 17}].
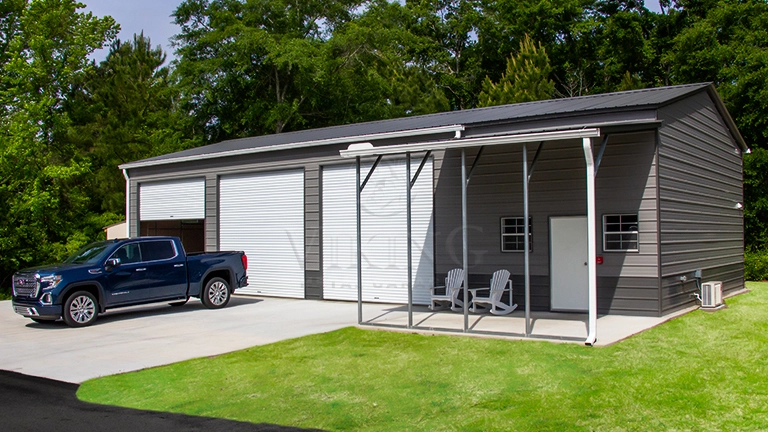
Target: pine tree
[{"x": 526, "y": 78}]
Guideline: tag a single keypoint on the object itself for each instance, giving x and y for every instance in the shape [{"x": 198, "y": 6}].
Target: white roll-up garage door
[
  {"x": 263, "y": 215},
  {"x": 384, "y": 236},
  {"x": 172, "y": 200}
]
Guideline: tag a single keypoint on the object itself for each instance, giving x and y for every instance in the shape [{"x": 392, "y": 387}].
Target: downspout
[
  {"x": 127, "y": 203},
  {"x": 591, "y": 241}
]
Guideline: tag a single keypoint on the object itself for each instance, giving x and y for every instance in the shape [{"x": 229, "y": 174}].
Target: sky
[
  {"x": 154, "y": 18},
  {"x": 151, "y": 16}
]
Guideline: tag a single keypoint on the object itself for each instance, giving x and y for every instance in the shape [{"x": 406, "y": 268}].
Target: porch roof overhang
[
  {"x": 586, "y": 134},
  {"x": 362, "y": 149}
]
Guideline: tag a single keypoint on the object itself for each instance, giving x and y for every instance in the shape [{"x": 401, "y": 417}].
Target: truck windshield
[{"x": 90, "y": 254}]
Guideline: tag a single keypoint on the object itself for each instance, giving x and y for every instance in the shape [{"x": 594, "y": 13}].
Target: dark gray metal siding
[
  {"x": 133, "y": 229},
  {"x": 626, "y": 183},
  {"x": 211, "y": 213},
  {"x": 313, "y": 285},
  {"x": 700, "y": 182}
]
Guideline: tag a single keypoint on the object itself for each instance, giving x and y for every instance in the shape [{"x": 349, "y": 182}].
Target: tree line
[{"x": 255, "y": 67}]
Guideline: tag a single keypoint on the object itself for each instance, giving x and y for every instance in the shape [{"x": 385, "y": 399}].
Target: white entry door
[{"x": 568, "y": 263}]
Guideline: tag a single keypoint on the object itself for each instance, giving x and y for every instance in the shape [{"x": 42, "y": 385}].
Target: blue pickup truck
[{"x": 127, "y": 272}]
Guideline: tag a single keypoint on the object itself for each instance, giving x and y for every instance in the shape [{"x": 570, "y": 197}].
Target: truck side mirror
[{"x": 111, "y": 263}]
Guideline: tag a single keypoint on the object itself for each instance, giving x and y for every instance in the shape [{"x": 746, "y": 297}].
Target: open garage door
[
  {"x": 174, "y": 208},
  {"x": 384, "y": 236},
  {"x": 263, "y": 215}
]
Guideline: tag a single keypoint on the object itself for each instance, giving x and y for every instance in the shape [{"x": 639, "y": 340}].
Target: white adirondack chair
[
  {"x": 448, "y": 293},
  {"x": 500, "y": 283}
]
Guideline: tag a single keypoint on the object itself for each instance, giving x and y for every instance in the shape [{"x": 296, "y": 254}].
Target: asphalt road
[{"x": 33, "y": 404}]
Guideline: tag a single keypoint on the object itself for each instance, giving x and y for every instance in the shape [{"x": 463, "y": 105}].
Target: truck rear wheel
[
  {"x": 80, "y": 309},
  {"x": 216, "y": 293}
]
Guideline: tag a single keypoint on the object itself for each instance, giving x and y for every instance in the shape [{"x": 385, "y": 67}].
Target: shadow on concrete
[
  {"x": 30, "y": 403},
  {"x": 152, "y": 309}
]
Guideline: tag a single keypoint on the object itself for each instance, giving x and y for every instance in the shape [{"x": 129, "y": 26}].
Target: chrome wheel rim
[
  {"x": 217, "y": 294},
  {"x": 82, "y": 309}
]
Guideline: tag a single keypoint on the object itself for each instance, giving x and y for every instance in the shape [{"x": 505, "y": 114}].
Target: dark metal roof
[{"x": 646, "y": 98}]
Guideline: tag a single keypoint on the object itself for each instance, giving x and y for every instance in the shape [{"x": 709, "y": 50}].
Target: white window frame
[
  {"x": 503, "y": 234},
  {"x": 635, "y": 232}
]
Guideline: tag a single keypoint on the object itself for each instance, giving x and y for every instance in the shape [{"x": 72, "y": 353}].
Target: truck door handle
[
  {"x": 141, "y": 269},
  {"x": 178, "y": 265}
]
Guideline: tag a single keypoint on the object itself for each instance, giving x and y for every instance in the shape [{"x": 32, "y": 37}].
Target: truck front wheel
[
  {"x": 216, "y": 293},
  {"x": 80, "y": 309}
]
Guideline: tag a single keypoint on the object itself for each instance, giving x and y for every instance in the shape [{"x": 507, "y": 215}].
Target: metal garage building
[{"x": 665, "y": 203}]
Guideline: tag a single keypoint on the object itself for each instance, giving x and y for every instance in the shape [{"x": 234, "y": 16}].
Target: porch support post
[
  {"x": 358, "y": 190},
  {"x": 408, "y": 241},
  {"x": 464, "y": 246},
  {"x": 526, "y": 244},
  {"x": 591, "y": 241}
]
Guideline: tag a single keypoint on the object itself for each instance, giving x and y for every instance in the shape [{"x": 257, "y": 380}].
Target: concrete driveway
[{"x": 130, "y": 339}]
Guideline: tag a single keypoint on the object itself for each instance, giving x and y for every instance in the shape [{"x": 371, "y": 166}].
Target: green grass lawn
[{"x": 703, "y": 371}]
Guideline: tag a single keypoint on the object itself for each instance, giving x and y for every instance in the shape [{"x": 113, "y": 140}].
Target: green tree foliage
[
  {"x": 43, "y": 208},
  {"x": 756, "y": 199},
  {"x": 565, "y": 28},
  {"x": 125, "y": 109},
  {"x": 443, "y": 46},
  {"x": 249, "y": 68},
  {"x": 726, "y": 42},
  {"x": 525, "y": 80}
]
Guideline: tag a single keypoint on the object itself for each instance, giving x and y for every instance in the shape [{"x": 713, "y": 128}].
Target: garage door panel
[
  {"x": 383, "y": 231},
  {"x": 172, "y": 200},
  {"x": 263, "y": 215}
]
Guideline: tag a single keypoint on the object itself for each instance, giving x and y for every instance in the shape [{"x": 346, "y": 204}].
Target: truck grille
[
  {"x": 25, "y": 285},
  {"x": 26, "y": 311}
]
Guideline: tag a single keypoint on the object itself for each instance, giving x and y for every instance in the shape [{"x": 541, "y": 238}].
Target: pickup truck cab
[{"x": 126, "y": 272}]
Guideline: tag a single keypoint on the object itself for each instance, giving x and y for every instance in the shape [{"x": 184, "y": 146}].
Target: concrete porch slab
[{"x": 553, "y": 326}]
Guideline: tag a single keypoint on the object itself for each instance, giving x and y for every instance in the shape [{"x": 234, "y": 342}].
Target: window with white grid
[
  {"x": 513, "y": 234},
  {"x": 620, "y": 232}
]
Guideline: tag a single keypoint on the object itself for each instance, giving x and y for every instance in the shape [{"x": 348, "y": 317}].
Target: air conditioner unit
[{"x": 711, "y": 294}]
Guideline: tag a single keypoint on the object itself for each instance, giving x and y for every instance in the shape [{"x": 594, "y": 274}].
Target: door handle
[
  {"x": 585, "y": 264},
  {"x": 178, "y": 265},
  {"x": 141, "y": 269}
]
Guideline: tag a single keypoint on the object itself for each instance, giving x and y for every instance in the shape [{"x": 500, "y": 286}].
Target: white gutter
[
  {"x": 298, "y": 145},
  {"x": 127, "y": 203},
  {"x": 591, "y": 241},
  {"x": 367, "y": 149}
]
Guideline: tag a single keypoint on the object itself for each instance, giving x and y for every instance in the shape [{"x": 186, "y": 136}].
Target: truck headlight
[{"x": 49, "y": 282}]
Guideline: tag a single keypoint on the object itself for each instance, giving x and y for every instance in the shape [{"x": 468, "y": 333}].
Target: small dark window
[
  {"x": 620, "y": 232},
  {"x": 157, "y": 250},
  {"x": 128, "y": 254},
  {"x": 513, "y": 234}
]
